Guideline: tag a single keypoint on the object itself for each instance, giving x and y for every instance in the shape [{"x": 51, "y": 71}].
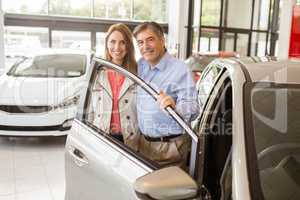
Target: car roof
[{"x": 284, "y": 71}]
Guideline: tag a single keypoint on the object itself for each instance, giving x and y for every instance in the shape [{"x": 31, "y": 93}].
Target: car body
[
  {"x": 244, "y": 142},
  {"x": 41, "y": 93}
]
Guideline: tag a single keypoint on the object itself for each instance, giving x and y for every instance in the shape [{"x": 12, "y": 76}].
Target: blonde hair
[{"x": 129, "y": 61}]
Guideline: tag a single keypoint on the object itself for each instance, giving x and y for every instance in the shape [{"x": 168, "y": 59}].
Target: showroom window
[
  {"x": 23, "y": 41},
  {"x": 70, "y": 7},
  {"x": 20, "y": 40},
  {"x": 214, "y": 26},
  {"x": 211, "y": 12},
  {"x": 25, "y": 6},
  {"x": 118, "y": 9},
  {"x": 100, "y": 44},
  {"x": 209, "y": 40},
  {"x": 80, "y": 24},
  {"x": 155, "y": 10},
  {"x": 71, "y": 39}
]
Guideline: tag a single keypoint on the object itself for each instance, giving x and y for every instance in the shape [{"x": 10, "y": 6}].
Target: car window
[
  {"x": 99, "y": 104},
  {"x": 275, "y": 117},
  {"x": 207, "y": 82},
  {"x": 60, "y": 65}
]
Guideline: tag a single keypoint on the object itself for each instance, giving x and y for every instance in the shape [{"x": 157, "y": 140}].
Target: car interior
[
  {"x": 278, "y": 150},
  {"x": 218, "y": 141}
]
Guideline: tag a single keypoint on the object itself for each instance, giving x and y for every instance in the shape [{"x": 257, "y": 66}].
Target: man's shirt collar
[{"x": 161, "y": 65}]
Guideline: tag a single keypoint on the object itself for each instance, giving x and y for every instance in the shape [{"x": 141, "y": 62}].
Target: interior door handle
[{"x": 78, "y": 157}]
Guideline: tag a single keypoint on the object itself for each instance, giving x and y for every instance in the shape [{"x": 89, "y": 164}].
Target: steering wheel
[{"x": 277, "y": 147}]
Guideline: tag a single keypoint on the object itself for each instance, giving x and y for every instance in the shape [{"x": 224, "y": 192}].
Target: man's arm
[{"x": 186, "y": 104}]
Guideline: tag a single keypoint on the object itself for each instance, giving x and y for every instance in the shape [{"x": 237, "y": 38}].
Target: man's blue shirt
[{"x": 173, "y": 77}]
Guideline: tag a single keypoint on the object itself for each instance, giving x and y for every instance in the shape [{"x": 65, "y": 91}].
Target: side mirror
[{"x": 167, "y": 183}]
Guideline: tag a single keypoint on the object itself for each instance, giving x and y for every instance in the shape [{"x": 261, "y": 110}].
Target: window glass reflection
[
  {"x": 20, "y": 40},
  {"x": 71, "y": 39},
  {"x": 261, "y": 14},
  {"x": 209, "y": 40},
  {"x": 154, "y": 10},
  {"x": 258, "y": 44},
  {"x": 70, "y": 7},
  {"x": 118, "y": 9},
  {"x": 25, "y": 6},
  {"x": 100, "y": 44},
  {"x": 242, "y": 44},
  {"x": 235, "y": 8},
  {"x": 211, "y": 10}
]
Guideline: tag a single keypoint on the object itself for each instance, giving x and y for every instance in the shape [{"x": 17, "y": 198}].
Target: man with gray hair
[{"x": 163, "y": 140}]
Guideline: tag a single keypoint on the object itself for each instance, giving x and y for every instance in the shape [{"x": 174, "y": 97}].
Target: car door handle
[{"x": 78, "y": 157}]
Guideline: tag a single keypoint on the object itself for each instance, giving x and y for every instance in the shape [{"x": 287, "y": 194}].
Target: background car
[
  {"x": 40, "y": 94},
  {"x": 245, "y": 141},
  {"x": 198, "y": 62}
]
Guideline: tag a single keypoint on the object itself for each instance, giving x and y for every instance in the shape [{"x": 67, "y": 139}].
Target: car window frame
[
  {"x": 82, "y": 119},
  {"x": 207, "y": 69},
  {"x": 98, "y": 63},
  {"x": 207, "y": 117}
]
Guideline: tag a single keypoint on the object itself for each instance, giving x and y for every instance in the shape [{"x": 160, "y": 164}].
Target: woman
[{"x": 114, "y": 94}]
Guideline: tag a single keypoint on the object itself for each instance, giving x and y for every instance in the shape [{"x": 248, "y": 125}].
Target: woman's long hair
[{"x": 129, "y": 61}]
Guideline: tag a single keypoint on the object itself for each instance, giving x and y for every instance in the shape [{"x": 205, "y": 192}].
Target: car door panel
[
  {"x": 98, "y": 166},
  {"x": 108, "y": 173}
]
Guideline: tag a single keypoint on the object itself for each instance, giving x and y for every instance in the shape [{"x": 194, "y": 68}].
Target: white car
[
  {"x": 245, "y": 143},
  {"x": 40, "y": 94}
]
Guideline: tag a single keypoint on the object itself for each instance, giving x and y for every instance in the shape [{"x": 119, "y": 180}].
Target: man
[{"x": 163, "y": 139}]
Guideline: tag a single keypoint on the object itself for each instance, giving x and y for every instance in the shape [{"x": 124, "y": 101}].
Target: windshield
[
  {"x": 59, "y": 65},
  {"x": 276, "y": 124}
]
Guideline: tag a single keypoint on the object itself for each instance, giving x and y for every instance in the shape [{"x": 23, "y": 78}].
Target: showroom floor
[{"x": 32, "y": 168}]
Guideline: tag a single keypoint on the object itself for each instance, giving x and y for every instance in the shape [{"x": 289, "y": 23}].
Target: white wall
[
  {"x": 177, "y": 20},
  {"x": 1, "y": 39},
  {"x": 285, "y": 28}
]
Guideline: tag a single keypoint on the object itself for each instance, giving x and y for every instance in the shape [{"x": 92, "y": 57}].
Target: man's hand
[{"x": 165, "y": 100}]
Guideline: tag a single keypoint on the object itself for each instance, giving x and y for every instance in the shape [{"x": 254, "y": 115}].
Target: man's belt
[{"x": 161, "y": 139}]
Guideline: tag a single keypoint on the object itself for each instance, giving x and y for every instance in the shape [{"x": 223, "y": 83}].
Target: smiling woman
[{"x": 112, "y": 105}]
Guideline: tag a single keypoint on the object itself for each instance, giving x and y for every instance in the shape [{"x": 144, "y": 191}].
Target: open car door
[{"x": 100, "y": 167}]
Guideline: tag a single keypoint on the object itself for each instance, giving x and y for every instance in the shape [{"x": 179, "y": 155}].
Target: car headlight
[{"x": 69, "y": 101}]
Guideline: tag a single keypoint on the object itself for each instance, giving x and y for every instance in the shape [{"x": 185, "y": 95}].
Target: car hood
[{"x": 37, "y": 91}]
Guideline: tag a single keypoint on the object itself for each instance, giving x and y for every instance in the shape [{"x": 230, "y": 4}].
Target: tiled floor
[{"x": 32, "y": 168}]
